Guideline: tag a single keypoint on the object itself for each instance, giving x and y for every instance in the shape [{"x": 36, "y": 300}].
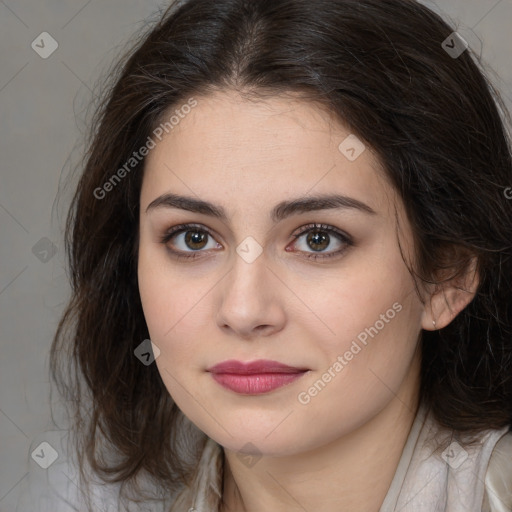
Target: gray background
[{"x": 43, "y": 105}]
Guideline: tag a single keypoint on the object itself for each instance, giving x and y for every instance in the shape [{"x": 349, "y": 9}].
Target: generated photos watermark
[
  {"x": 138, "y": 156},
  {"x": 304, "y": 397}
]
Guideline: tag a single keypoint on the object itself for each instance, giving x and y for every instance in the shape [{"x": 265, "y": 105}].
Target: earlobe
[{"x": 449, "y": 298}]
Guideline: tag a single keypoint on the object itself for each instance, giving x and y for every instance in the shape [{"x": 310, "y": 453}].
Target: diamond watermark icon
[
  {"x": 454, "y": 455},
  {"x": 44, "y": 250},
  {"x": 249, "y": 249},
  {"x": 351, "y": 147},
  {"x": 249, "y": 459},
  {"x": 147, "y": 352},
  {"x": 45, "y": 455},
  {"x": 44, "y": 45},
  {"x": 455, "y": 45}
]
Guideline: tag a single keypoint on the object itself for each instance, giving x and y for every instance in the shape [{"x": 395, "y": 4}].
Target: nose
[{"x": 251, "y": 300}]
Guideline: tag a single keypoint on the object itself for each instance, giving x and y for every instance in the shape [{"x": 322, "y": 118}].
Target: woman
[{"x": 291, "y": 261}]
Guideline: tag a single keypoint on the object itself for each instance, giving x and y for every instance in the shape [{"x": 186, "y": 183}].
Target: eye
[
  {"x": 319, "y": 237},
  {"x": 190, "y": 239}
]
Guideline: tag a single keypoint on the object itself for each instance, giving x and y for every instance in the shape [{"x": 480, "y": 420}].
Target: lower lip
[{"x": 256, "y": 384}]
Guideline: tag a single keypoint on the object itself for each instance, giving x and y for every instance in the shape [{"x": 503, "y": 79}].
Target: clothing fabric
[
  {"x": 449, "y": 477},
  {"x": 435, "y": 474}
]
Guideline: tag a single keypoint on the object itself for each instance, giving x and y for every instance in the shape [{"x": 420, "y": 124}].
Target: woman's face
[{"x": 347, "y": 323}]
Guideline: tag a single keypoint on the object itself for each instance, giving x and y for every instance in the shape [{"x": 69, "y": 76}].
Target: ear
[{"x": 444, "y": 301}]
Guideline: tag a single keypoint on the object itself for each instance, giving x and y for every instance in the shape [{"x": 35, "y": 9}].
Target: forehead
[{"x": 259, "y": 150}]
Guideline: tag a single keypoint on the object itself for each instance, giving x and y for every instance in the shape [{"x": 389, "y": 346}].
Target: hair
[{"x": 439, "y": 128}]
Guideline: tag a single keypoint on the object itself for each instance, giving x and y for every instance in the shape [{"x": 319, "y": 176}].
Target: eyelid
[
  {"x": 298, "y": 232},
  {"x": 180, "y": 228},
  {"x": 322, "y": 227}
]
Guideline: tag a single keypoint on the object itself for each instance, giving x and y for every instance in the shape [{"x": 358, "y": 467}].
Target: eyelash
[{"x": 180, "y": 255}]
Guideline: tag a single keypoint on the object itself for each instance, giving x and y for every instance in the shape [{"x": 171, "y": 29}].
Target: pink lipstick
[{"x": 256, "y": 377}]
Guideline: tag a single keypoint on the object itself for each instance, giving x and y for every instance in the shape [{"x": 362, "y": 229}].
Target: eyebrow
[{"x": 281, "y": 211}]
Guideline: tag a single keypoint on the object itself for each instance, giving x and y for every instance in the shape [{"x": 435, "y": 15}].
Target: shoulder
[{"x": 498, "y": 477}]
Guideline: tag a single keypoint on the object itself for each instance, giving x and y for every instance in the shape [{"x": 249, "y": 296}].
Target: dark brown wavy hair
[{"x": 439, "y": 128}]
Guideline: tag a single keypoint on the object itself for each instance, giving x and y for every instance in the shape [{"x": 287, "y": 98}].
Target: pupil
[
  {"x": 318, "y": 239},
  {"x": 195, "y": 238}
]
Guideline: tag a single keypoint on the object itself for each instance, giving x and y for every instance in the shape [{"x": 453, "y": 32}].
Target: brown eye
[
  {"x": 319, "y": 238},
  {"x": 195, "y": 239},
  {"x": 187, "y": 241}
]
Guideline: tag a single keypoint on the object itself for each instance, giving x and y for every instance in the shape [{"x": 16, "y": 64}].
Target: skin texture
[{"x": 247, "y": 157}]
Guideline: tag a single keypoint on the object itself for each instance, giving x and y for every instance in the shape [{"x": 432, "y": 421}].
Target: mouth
[{"x": 254, "y": 378}]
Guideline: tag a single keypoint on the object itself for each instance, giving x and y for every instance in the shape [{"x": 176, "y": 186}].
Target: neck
[{"x": 352, "y": 473}]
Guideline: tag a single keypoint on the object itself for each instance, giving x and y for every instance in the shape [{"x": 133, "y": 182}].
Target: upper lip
[{"x": 254, "y": 367}]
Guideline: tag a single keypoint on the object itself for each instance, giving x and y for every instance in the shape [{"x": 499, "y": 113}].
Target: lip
[
  {"x": 255, "y": 377},
  {"x": 254, "y": 367}
]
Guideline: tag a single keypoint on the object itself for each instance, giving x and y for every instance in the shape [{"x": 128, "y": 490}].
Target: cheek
[
  {"x": 155, "y": 300},
  {"x": 158, "y": 295},
  {"x": 366, "y": 367},
  {"x": 173, "y": 304},
  {"x": 346, "y": 304},
  {"x": 370, "y": 321}
]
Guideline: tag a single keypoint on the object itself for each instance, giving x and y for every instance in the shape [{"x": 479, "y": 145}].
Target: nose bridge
[
  {"x": 248, "y": 278},
  {"x": 249, "y": 298}
]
